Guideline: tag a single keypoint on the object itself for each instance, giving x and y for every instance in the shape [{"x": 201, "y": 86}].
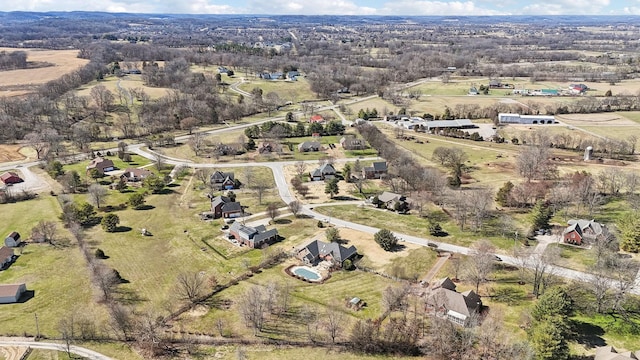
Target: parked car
[
  {"x": 433, "y": 245},
  {"x": 497, "y": 258},
  {"x": 224, "y": 227}
]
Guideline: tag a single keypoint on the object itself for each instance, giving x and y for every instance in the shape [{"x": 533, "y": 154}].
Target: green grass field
[{"x": 411, "y": 225}]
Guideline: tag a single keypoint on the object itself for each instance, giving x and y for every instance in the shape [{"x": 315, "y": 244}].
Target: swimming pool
[{"x": 307, "y": 273}]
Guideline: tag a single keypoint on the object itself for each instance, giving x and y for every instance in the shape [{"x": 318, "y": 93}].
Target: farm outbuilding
[
  {"x": 12, "y": 240},
  {"x": 10, "y": 294},
  {"x": 526, "y": 119},
  {"x": 10, "y": 178}
]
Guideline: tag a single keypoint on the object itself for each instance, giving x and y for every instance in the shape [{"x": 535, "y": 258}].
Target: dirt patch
[
  {"x": 198, "y": 311},
  {"x": 595, "y": 119},
  {"x": 10, "y": 153}
]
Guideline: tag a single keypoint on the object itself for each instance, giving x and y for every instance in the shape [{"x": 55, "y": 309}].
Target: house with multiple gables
[
  {"x": 583, "y": 231},
  {"x": 377, "y": 170},
  {"x": 268, "y": 147},
  {"x": 317, "y": 251},
  {"x": 6, "y": 256},
  {"x": 10, "y": 178},
  {"x": 324, "y": 172},
  {"x": 253, "y": 237},
  {"x": 223, "y": 207},
  {"x": 222, "y": 180},
  {"x": 135, "y": 174},
  {"x": 352, "y": 143},
  {"x": 307, "y": 146},
  {"x": 101, "y": 164},
  {"x": 446, "y": 302},
  {"x": 11, "y": 293},
  {"x": 610, "y": 353}
]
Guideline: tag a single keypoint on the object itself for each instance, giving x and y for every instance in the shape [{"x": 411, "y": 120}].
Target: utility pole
[{"x": 37, "y": 327}]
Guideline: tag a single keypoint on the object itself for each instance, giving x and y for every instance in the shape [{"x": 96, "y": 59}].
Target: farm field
[
  {"x": 294, "y": 91},
  {"x": 22, "y": 81}
]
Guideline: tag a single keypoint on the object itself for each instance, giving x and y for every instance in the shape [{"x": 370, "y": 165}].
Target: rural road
[{"x": 84, "y": 352}]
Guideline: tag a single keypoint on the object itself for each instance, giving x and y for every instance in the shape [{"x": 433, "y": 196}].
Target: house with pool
[{"x": 317, "y": 251}]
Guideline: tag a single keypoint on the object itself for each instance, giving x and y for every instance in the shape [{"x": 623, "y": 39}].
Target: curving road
[{"x": 84, "y": 352}]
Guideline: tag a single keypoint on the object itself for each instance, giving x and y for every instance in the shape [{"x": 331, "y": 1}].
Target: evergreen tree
[
  {"x": 503, "y": 197},
  {"x": 331, "y": 187},
  {"x": 540, "y": 216},
  {"x": 386, "y": 239},
  {"x": 629, "y": 228}
]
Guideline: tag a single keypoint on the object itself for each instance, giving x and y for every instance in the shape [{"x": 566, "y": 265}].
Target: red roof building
[
  {"x": 10, "y": 178},
  {"x": 316, "y": 119}
]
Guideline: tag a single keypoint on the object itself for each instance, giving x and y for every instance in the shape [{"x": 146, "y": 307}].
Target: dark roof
[
  {"x": 100, "y": 163},
  {"x": 219, "y": 176},
  {"x": 380, "y": 166},
  {"x": 256, "y": 234},
  {"x": 8, "y": 175},
  {"x": 218, "y": 200},
  {"x": 15, "y": 235},
  {"x": 339, "y": 253},
  {"x": 231, "y": 207}
]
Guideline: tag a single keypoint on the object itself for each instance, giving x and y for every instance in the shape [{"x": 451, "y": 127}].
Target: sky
[{"x": 337, "y": 7}]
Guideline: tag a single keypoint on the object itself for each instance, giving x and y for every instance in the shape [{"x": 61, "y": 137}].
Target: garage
[{"x": 10, "y": 294}]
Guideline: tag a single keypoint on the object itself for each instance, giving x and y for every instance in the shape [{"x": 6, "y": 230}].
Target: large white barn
[{"x": 526, "y": 119}]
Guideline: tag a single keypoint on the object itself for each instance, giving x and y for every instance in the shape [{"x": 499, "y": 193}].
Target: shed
[
  {"x": 10, "y": 178},
  {"x": 13, "y": 239},
  {"x": 10, "y": 294}
]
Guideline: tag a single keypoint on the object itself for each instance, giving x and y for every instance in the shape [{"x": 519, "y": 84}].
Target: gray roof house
[
  {"x": 580, "y": 231},
  {"x": 101, "y": 164},
  {"x": 456, "y": 307},
  {"x": 222, "y": 180},
  {"x": 307, "y": 146},
  {"x": 223, "y": 207},
  {"x": 253, "y": 237},
  {"x": 326, "y": 171},
  {"x": 352, "y": 143},
  {"x": 376, "y": 171},
  {"x": 318, "y": 250}
]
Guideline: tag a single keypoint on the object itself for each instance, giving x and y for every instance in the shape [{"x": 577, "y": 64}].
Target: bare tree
[
  {"x": 97, "y": 193},
  {"x": 295, "y": 206},
  {"x": 395, "y": 297},
  {"x": 333, "y": 322},
  {"x": 121, "y": 321},
  {"x": 300, "y": 168},
  {"x": 37, "y": 141},
  {"x": 480, "y": 263},
  {"x": 534, "y": 162},
  {"x": 539, "y": 267},
  {"x": 106, "y": 279},
  {"x": 66, "y": 327},
  {"x": 272, "y": 211},
  {"x": 259, "y": 185},
  {"x": 44, "y": 231},
  {"x": 204, "y": 175},
  {"x": 190, "y": 286},
  {"x": 252, "y": 308},
  {"x": 197, "y": 143}
]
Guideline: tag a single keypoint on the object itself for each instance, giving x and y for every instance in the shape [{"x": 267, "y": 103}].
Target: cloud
[
  {"x": 413, "y": 7},
  {"x": 570, "y": 7},
  {"x": 308, "y": 7}
]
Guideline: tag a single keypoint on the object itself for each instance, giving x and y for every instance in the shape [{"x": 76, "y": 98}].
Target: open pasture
[{"x": 21, "y": 81}]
